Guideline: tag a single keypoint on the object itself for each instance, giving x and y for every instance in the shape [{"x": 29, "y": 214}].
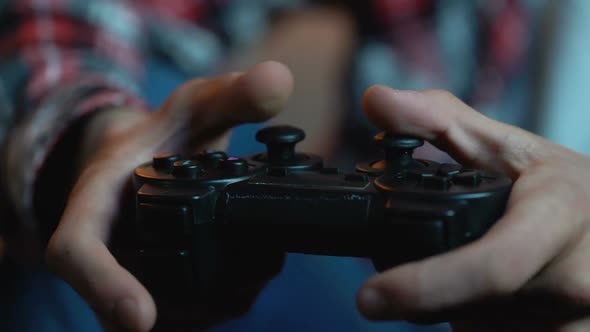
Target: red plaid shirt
[{"x": 61, "y": 59}]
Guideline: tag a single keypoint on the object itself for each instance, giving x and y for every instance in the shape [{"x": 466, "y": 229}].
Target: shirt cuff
[{"x": 30, "y": 143}]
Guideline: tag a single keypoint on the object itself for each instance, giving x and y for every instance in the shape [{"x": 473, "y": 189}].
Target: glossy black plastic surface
[{"x": 197, "y": 218}]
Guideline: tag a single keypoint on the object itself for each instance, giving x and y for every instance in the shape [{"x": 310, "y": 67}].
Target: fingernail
[
  {"x": 372, "y": 303},
  {"x": 125, "y": 313}
]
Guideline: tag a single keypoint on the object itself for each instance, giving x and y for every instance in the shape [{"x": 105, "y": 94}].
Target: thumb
[
  {"x": 202, "y": 109},
  {"x": 501, "y": 262},
  {"x": 468, "y": 136}
]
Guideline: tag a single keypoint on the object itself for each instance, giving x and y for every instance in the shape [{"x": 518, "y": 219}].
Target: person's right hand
[
  {"x": 531, "y": 271},
  {"x": 197, "y": 113}
]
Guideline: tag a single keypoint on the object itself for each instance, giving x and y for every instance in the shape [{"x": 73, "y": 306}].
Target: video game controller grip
[{"x": 196, "y": 217}]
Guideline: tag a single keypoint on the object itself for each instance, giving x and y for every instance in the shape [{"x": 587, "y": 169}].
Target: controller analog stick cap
[
  {"x": 280, "y": 142},
  {"x": 385, "y": 141},
  {"x": 398, "y": 152},
  {"x": 280, "y": 135}
]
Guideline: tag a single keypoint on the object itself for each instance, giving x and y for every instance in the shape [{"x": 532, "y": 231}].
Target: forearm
[{"x": 62, "y": 66}]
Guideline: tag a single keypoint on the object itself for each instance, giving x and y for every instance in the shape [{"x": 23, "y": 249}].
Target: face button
[
  {"x": 164, "y": 162},
  {"x": 186, "y": 169},
  {"x": 210, "y": 158},
  {"x": 449, "y": 169},
  {"x": 469, "y": 178},
  {"x": 235, "y": 166}
]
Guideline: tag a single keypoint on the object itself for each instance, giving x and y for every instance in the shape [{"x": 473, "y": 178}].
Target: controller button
[
  {"x": 398, "y": 152},
  {"x": 211, "y": 158},
  {"x": 187, "y": 169},
  {"x": 378, "y": 165},
  {"x": 449, "y": 169},
  {"x": 330, "y": 170},
  {"x": 436, "y": 182},
  {"x": 164, "y": 162},
  {"x": 236, "y": 166},
  {"x": 356, "y": 177},
  {"x": 386, "y": 140},
  {"x": 470, "y": 178},
  {"x": 419, "y": 173}
]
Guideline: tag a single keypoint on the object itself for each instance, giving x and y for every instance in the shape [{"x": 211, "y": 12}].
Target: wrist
[
  {"x": 75, "y": 150},
  {"x": 102, "y": 127}
]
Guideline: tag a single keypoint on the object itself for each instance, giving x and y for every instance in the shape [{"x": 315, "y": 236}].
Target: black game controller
[{"x": 195, "y": 215}]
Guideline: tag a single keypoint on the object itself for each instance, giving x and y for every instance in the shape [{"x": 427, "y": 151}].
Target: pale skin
[
  {"x": 537, "y": 249},
  {"x": 530, "y": 272},
  {"x": 195, "y": 115}
]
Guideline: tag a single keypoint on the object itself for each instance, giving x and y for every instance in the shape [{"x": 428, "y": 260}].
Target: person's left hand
[
  {"x": 531, "y": 271},
  {"x": 117, "y": 141}
]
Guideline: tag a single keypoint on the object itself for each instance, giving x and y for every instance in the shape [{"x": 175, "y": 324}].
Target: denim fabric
[{"x": 32, "y": 300}]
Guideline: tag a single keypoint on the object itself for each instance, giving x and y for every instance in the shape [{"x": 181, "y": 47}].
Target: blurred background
[{"x": 523, "y": 62}]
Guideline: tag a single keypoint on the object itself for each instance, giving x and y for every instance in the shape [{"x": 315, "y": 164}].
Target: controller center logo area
[{"x": 199, "y": 217}]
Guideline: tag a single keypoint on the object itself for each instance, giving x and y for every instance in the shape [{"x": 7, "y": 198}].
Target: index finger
[
  {"x": 500, "y": 263},
  {"x": 470, "y": 137}
]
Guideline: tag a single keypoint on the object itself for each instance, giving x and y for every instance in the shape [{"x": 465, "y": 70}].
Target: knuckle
[{"x": 521, "y": 149}]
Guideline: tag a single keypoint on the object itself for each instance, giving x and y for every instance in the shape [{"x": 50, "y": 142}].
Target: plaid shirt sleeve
[
  {"x": 63, "y": 59},
  {"x": 59, "y": 60}
]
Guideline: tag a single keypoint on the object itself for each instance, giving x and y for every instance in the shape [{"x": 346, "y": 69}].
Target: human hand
[
  {"x": 530, "y": 271},
  {"x": 194, "y": 115}
]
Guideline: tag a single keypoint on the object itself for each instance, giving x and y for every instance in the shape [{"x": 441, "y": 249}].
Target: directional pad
[
  {"x": 211, "y": 158},
  {"x": 433, "y": 176}
]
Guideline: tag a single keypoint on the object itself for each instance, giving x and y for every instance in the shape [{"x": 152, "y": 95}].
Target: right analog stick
[{"x": 398, "y": 152}]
